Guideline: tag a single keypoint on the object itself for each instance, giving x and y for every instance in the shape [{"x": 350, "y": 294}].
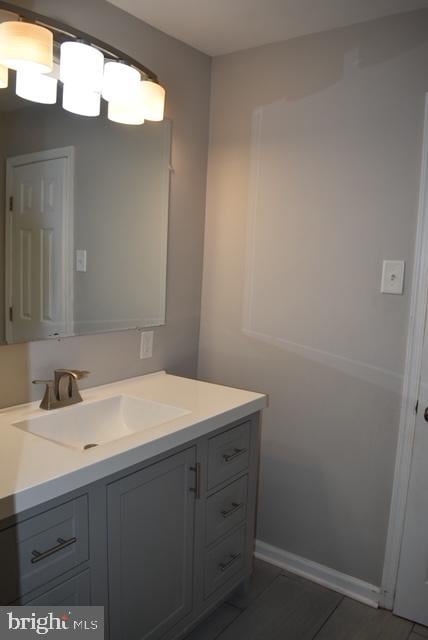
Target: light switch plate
[
  {"x": 146, "y": 344},
  {"x": 392, "y": 277}
]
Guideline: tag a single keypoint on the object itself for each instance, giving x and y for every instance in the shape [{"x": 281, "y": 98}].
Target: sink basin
[{"x": 86, "y": 425}]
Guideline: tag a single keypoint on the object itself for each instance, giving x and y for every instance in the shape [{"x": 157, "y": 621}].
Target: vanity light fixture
[
  {"x": 153, "y": 96},
  {"x": 36, "y": 87},
  {"x": 81, "y": 65},
  {"x": 147, "y": 104},
  {"x": 81, "y": 101},
  {"x": 129, "y": 110},
  {"x": 121, "y": 82},
  {"x": 26, "y": 46},
  {"x": 4, "y": 77},
  {"x": 125, "y": 113}
]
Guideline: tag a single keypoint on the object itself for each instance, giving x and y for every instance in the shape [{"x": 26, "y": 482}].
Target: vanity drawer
[
  {"x": 74, "y": 592},
  {"x": 226, "y": 509},
  {"x": 224, "y": 560},
  {"x": 228, "y": 454},
  {"x": 42, "y": 548}
]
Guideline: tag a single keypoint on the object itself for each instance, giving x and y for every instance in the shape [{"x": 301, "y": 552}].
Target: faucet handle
[
  {"x": 48, "y": 383},
  {"x": 79, "y": 373},
  {"x": 74, "y": 373},
  {"x": 48, "y": 400}
]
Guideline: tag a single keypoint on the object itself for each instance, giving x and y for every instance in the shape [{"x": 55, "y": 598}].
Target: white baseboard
[{"x": 340, "y": 582}]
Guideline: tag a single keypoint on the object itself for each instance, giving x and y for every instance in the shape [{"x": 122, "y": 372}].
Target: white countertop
[{"x": 34, "y": 470}]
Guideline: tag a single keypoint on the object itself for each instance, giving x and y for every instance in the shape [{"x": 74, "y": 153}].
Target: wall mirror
[{"x": 83, "y": 221}]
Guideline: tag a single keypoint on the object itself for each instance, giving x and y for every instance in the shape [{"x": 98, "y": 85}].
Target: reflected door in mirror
[{"x": 38, "y": 247}]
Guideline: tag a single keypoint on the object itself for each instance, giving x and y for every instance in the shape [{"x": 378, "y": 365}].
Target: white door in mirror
[
  {"x": 146, "y": 345},
  {"x": 39, "y": 245},
  {"x": 392, "y": 277}
]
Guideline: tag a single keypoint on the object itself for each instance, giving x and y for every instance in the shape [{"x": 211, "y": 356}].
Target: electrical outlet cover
[{"x": 146, "y": 344}]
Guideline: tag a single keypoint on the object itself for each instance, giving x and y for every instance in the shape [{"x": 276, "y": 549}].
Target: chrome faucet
[{"x": 62, "y": 390}]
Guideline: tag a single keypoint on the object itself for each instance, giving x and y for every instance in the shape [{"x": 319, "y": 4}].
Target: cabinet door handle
[
  {"x": 197, "y": 488},
  {"x": 225, "y": 565},
  {"x": 234, "y": 508},
  {"x": 62, "y": 544},
  {"x": 227, "y": 457}
]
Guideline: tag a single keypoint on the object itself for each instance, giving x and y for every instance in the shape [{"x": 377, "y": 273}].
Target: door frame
[
  {"x": 411, "y": 383},
  {"x": 67, "y": 252}
]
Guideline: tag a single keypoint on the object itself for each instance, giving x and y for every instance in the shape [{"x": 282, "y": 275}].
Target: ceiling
[{"x": 217, "y": 27}]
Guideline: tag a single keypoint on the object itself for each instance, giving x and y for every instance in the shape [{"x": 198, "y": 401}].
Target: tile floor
[{"x": 281, "y": 606}]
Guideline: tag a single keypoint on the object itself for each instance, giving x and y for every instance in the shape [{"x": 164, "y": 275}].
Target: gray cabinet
[
  {"x": 159, "y": 545},
  {"x": 150, "y": 548}
]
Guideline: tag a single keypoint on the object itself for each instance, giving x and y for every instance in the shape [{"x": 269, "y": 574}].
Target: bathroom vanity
[{"x": 154, "y": 523}]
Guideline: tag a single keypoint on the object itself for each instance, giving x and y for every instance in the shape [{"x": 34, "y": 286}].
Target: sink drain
[{"x": 90, "y": 445}]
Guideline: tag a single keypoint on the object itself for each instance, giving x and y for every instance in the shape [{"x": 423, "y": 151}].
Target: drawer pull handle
[
  {"x": 227, "y": 457},
  {"x": 234, "y": 508},
  {"x": 197, "y": 488},
  {"x": 62, "y": 544},
  {"x": 225, "y": 565}
]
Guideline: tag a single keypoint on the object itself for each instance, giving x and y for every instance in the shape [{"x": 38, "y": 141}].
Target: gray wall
[
  {"x": 312, "y": 181},
  {"x": 186, "y": 76}
]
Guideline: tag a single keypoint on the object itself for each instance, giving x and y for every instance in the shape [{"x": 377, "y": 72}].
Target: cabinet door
[{"x": 150, "y": 546}]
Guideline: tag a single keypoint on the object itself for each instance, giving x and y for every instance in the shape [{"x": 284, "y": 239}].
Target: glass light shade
[
  {"x": 153, "y": 96},
  {"x": 81, "y": 101},
  {"x": 36, "y": 87},
  {"x": 4, "y": 77},
  {"x": 82, "y": 66},
  {"x": 121, "y": 82},
  {"x": 130, "y": 112},
  {"x": 26, "y": 46}
]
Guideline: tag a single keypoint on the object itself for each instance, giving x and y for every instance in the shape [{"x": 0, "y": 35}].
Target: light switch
[
  {"x": 146, "y": 344},
  {"x": 392, "y": 277},
  {"x": 81, "y": 260}
]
